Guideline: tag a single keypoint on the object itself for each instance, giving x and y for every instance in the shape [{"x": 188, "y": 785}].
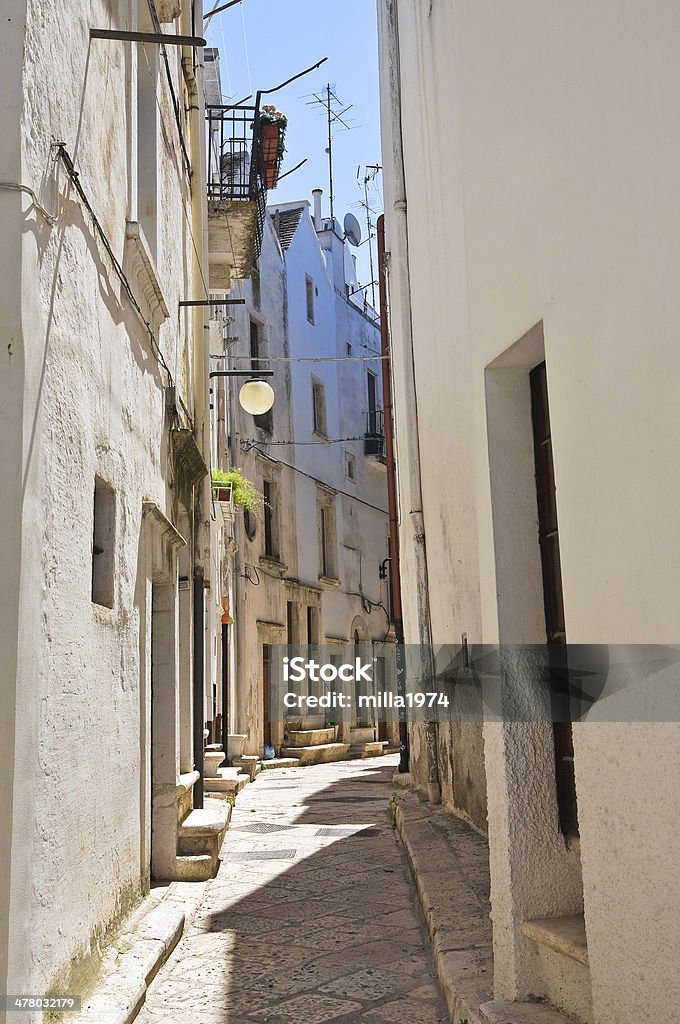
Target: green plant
[
  {"x": 246, "y": 494},
  {"x": 270, "y": 115}
]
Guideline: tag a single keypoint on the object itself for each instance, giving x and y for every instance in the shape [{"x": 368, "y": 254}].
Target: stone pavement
[{"x": 313, "y": 916}]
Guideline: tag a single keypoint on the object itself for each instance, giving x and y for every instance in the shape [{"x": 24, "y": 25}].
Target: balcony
[
  {"x": 237, "y": 192},
  {"x": 374, "y": 434}
]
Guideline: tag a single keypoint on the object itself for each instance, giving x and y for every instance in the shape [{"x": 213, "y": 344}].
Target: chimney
[{"x": 317, "y": 193}]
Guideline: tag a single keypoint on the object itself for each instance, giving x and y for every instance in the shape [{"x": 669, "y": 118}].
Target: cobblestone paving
[{"x": 312, "y": 917}]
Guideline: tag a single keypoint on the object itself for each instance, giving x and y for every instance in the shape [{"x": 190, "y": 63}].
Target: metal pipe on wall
[
  {"x": 393, "y": 514},
  {"x": 397, "y": 222},
  {"x": 225, "y": 692},
  {"x": 199, "y": 669}
]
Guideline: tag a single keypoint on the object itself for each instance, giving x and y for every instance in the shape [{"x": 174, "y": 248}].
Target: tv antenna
[
  {"x": 370, "y": 174},
  {"x": 335, "y": 115}
]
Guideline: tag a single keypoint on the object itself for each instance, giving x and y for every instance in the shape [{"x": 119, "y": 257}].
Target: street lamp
[{"x": 256, "y": 396}]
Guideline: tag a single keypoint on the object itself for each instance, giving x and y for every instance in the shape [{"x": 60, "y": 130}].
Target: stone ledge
[
  {"x": 205, "y": 822},
  {"x": 323, "y": 753},
  {"x": 502, "y": 1011},
  {"x": 450, "y": 866},
  {"x": 565, "y": 935},
  {"x": 134, "y": 959}
]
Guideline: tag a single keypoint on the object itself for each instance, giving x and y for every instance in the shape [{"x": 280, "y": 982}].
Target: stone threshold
[{"x": 141, "y": 947}]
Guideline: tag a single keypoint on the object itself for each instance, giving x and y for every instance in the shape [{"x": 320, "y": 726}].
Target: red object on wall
[{"x": 270, "y": 142}]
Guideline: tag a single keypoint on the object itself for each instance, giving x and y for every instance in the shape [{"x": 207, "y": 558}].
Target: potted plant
[
  {"x": 273, "y": 124},
  {"x": 242, "y": 492}
]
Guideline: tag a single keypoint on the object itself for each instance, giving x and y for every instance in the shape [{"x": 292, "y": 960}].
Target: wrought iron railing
[
  {"x": 374, "y": 435},
  {"x": 236, "y": 170}
]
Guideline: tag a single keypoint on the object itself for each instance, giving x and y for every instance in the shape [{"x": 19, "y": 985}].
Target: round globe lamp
[{"x": 256, "y": 397}]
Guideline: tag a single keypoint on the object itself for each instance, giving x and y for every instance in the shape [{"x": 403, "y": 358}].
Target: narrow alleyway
[{"x": 312, "y": 917}]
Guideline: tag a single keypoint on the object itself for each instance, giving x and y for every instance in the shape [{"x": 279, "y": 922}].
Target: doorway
[{"x": 266, "y": 695}]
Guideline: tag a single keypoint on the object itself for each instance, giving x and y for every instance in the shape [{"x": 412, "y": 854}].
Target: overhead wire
[{"x": 74, "y": 177}]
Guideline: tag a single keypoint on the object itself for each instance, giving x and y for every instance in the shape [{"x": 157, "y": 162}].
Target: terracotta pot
[
  {"x": 271, "y": 175},
  {"x": 269, "y": 134}
]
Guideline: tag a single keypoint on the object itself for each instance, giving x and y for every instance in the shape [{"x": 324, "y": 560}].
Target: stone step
[
  {"x": 248, "y": 763},
  {"x": 280, "y": 762},
  {"x": 195, "y": 867},
  {"x": 310, "y": 737},
  {"x": 559, "y": 964},
  {"x": 320, "y": 754},
  {"x": 502, "y": 1011},
  {"x": 361, "y": 734},
  {"x": 565, "y": 935},
  {"x": 202, "y": 831},
  {"x": 373, "y": 748},
  {"x": 227, "y": 780}
]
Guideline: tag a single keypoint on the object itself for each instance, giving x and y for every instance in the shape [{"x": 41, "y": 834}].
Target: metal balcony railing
[
  {"x": 374, "y": 435},
  {"x": 235, "y": 162}
]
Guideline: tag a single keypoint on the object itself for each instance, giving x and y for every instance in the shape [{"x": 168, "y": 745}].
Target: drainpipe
[
  {"x": 225, "y": 692},
  {"x": 199, "y": 669},
  {"x": 192, "y": 24},
  {"x": 393, "y": 514},
  {"x": 410, "y": 442}
]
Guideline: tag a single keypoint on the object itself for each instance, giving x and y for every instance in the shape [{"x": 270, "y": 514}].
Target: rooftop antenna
[
  {"x": 335, "y": 114},
  {"x": 370, "y": 173}
]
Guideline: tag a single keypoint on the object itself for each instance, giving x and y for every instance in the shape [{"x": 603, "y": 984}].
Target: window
[
  {"x": 255, "y": 283},
  {"x": 327, "y": 540},
  {"x": 318, "y": 407},
  {"x": 147, "y": 145},
  {"x": 103, "y": 543},
  {"x": 266, "y": 420},
  {"x": 350, "y": 468},
  {"x": 310, "y": 298},
  {"x": 324, "y": 540},
  {"x": 254, "y": 344},
  {"x": 271, "y": 532},
  {"x": 372, "y": 385},
  {"x": 249, "y": 524}
]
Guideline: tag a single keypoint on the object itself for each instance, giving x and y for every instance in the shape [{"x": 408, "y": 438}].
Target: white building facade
[
  {"x": 105, "y": 538},
  {"x": 531, "y": 160},
  {"x": 308, "y": 572}
]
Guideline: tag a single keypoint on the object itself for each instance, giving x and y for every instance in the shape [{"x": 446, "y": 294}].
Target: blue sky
[{"x": 283, "y": 37}]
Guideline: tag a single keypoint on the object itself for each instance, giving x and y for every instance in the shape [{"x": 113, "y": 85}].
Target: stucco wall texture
[
  {"x": 541, "y": 162},
  {"x": 79, "y": 359}
]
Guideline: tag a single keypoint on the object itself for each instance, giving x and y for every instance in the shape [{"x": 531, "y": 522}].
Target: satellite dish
[{"x": 352, "y": 229}]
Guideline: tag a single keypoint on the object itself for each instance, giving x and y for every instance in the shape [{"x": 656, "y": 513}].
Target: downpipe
[
  {"x": 400, "y": 275},
  {"x": 393, "y": 512},
  {"x": 192, "y": 24}
]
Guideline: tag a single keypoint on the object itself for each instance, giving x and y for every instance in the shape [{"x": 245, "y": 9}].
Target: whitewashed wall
[
  {"x": 541, "y": 158},
  {"x": 82, "y": 394}
]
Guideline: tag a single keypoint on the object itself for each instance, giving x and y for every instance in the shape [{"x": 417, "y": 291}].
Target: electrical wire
[
  {"x": 245, "y": 45},
  {"x": 74, "y": 177},
  {"x": 18, "y": 187},
  {"x": 175, "y": 103},
  {"x": 185, "y": 212},
  {"x": 323, "y": 483},
  {"x": 313, "y": 359},
  {"x": 252, "y": 442}
]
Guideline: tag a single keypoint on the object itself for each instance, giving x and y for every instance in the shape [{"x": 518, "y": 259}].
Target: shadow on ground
[{"x": 312, "y": 917}]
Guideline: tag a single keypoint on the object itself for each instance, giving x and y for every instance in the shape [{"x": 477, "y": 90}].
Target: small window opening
[
  {"x": 103, "y": 543},
  {"x": 310, "y": 298}
]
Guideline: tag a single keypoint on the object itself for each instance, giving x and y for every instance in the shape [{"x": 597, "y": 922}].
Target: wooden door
[{"x": 549, "y": 541}]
